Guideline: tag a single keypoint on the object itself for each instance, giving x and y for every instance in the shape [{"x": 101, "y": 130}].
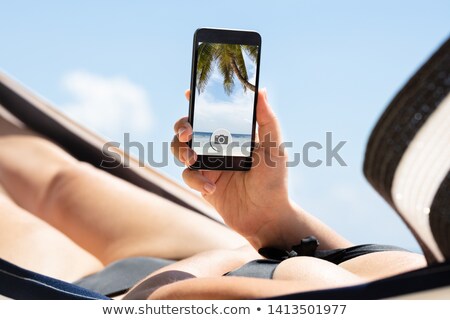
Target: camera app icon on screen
[{"x": 220, "y": 139}]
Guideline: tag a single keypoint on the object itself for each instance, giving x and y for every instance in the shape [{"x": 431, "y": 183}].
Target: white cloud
[{"x": 110, "y": 106}]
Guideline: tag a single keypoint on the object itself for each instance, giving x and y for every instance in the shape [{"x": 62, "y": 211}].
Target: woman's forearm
[{"x": 291, "y": 225}]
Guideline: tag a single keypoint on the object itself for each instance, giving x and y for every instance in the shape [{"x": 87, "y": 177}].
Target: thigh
[
  {"x": 384, "y": 264},
  {"x": 315, "y": 274},
  {"x": 33, "y": 244},
  {"x": 114, "y": 219},
  {"x": 291, "y": 276},
  {"x": 318, "y": 273}
]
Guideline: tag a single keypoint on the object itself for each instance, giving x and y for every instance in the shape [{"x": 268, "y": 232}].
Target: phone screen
[{"x": 225, "y": 89}]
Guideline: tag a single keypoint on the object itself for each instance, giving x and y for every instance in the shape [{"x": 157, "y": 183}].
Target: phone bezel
[{"x": 213, "y": 162}]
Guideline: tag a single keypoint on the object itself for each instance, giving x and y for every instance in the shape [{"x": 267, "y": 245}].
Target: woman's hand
[
  {"x": 254, "y": 203},
  {"x": 248, "y": 201}
]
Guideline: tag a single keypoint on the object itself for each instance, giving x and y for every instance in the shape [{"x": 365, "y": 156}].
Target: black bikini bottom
[{"x": 120, "y": 276}]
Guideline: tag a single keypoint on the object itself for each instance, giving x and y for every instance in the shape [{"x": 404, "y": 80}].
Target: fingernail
[
  {"x": 181, "y": 130},
  {"x": 209, "y": 187},
  {"x": 265, "y": 93},
  {"x": 187, "y": 155},
  {"x": 190, "y": 156}
]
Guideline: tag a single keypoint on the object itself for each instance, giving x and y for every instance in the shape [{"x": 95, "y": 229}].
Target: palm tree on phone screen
[{"x": 230, "y": 64}]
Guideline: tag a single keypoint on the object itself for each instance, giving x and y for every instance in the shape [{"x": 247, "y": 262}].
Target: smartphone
[{"x": 224, "y": 91}]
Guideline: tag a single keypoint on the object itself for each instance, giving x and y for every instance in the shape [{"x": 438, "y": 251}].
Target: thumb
[{"x": 269, "y": 130}]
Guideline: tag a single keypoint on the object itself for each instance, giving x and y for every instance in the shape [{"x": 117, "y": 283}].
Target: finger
[
  {"x": 178, "y": 149},
  {"x": 197, "y": 181},
  {"x": 182, "y": 152},
  {"x": 183, "y": 129},
  {"x": 269, "y": 130},
  {"x": 187, "y": 94},
  {"x": 256, "y": 137}
]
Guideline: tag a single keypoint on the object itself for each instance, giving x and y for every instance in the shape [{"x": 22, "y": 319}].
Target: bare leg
[
  {"x": 369, "y": 267},
  {"x": 291, "y": 276},
  {"x": 312, "y": 274},
  {"x": 380, "y": 265},
  {"x": 213, "y": 263},
  {"x": 106, "y": 216},
  {"x": 33, "y": 244}
]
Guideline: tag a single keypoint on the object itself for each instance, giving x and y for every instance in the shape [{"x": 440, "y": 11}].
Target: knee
[
  {"x": 24, "y": 141},
  {"x": 64, "y": 186},
  {"x": 31, "y": 158},
  {"x": 5, "y": 200},
  {"x": 28, "y": 166}
]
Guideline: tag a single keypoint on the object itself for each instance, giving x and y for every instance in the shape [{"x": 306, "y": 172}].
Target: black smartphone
[{"x": 224, "y": 91}]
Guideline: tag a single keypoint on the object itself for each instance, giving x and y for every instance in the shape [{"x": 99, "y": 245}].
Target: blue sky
[{"x": 327, "y": 65}]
